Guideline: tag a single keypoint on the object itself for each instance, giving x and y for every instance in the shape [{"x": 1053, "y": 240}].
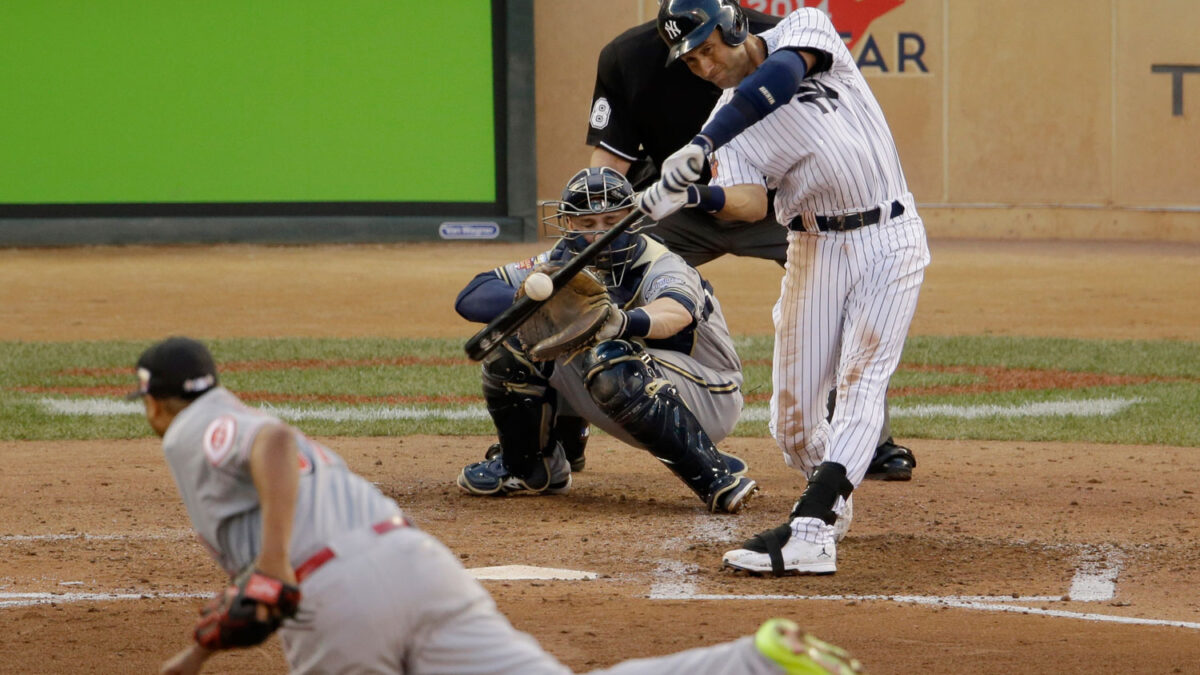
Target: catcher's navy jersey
[{"x": 207, "y": 448}]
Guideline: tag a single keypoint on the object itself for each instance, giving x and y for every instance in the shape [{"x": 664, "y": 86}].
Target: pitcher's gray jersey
[
  {"x": 208, "y": 450},
  {"x": 828, "y": 150}
]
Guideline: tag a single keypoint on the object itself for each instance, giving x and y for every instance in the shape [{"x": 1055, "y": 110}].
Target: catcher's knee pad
[
  {"x": 631, "y": 389},
  {"x": 621, "y": 379},
  {"x": 521, "y": 403}
]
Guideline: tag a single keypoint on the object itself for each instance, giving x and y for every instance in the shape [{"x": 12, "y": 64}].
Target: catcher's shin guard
[
  {"x": 520, "y": 402},
  {"x": 572, "y": 433},
  {"x": 628, "y": 386}
]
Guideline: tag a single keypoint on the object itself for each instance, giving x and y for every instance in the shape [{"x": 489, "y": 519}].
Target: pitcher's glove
[
  {"x": 247, "y": 611},
  {"x": 572, "y": 319}
]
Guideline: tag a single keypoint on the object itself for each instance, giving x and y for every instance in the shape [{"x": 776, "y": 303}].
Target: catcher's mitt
[
  {"x": 570, "y": 320},
  {"x": 247, "y": 611}
]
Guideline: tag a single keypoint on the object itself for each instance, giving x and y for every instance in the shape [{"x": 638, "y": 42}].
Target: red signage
[{"x": 851, "y": 17}]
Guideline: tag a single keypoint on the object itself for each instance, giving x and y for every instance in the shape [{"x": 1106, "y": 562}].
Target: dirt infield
[{"x": 997, "y": 557}]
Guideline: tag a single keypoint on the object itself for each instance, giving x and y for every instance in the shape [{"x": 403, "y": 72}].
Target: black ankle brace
[{"x": 828, "y": 483}]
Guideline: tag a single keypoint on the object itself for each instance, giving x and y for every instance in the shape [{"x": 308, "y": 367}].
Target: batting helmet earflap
[{"x": 684, "y": 24}]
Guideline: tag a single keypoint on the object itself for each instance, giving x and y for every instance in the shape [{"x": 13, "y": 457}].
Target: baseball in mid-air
[{"x": 538, "y": 286}]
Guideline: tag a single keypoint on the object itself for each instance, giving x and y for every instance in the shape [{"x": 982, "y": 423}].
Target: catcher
[
  {"x": 321, "y": 555},
  {"x": 636, "y": 344}
]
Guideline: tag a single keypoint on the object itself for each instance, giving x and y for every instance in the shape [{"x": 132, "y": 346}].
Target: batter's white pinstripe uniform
[{"x": 847, "y": 297}]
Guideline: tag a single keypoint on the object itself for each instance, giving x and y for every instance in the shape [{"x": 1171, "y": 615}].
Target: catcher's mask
[{"x": 582, "y": 215}]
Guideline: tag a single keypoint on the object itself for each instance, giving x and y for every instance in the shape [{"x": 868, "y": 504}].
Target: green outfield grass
[{"x": 951, "y": 388}]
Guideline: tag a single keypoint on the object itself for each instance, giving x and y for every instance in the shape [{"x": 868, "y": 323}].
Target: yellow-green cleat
[{"x": 799, "y": 653}]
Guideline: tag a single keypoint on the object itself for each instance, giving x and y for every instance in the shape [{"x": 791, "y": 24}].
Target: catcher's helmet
[
  {"x": 591, "y": 192},
  {"x": 684, "y": 24}
]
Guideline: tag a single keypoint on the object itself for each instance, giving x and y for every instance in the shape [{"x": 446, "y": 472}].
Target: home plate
[{"x": 509, "y": 572}]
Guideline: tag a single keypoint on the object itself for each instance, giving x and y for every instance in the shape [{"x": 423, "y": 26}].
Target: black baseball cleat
[{"x": 891, "y": 462}]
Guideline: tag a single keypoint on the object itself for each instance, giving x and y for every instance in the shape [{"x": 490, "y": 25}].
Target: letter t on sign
[{"x": 1177, "y": 72}]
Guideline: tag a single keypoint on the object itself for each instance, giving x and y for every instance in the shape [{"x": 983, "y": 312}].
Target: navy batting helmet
[{"x": 684, "y": 24}]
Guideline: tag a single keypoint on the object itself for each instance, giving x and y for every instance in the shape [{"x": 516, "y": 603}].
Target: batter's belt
[
  {"x": 847, "y": 221},
  {"x": 326, "y": 554}
]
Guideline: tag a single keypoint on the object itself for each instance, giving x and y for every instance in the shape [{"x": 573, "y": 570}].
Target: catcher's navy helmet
[
  {"x": 596, "y": 190},
  {"x": 592, "y": 192},
  {"x": 684, "y": 24}
]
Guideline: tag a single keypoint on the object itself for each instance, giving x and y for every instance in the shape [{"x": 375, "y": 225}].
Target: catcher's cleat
[
  {"x": 798, "y": 653},
  {"x": 735, "y": 464},
  {"x": 891, "y": 462},
  {"x": 733, "y": 497},
  {"x": 777, "y": 551},
  {"x": 492, "y": 478}
]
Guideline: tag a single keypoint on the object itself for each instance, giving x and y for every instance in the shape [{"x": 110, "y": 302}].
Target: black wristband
[
  {"x": 711, "y": 197},
  {"x": 637, "y": 323}
]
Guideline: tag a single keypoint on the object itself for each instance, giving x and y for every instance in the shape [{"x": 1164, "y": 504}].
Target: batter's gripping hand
[
  {"x": 570, "y": 321},
  {"x": 660, "y": 201},
  {"x": 246, "y": 612},
  {"x": 683, "y": 167}
]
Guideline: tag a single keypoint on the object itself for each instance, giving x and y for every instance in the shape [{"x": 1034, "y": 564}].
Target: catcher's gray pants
[
  {"x": 401, "y": 602},
  {"x": 715, "y": 407}
]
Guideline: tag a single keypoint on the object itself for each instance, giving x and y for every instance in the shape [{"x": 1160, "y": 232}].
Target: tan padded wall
[
  {"x": 568, "y": 36},
  {"x": 1157, "y": 158},
  {"x": 1029, "y": 118},
  {"x": 1037, "y": 118}
]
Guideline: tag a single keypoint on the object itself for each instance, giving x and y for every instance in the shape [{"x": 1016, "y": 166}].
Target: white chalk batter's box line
[
  {"x": 1096, "y": 407},
  {"x": 1095, "y": 580}
]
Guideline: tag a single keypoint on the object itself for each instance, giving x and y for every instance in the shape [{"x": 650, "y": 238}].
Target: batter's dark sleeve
[
  {"x": 484, "y": 298},
  {"x": 610, "y": 124}
]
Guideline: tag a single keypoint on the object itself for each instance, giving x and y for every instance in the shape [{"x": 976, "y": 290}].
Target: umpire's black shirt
[{"x": 640, "y": 108}]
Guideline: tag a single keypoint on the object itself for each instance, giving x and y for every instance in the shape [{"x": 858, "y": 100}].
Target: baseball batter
[
  {"x": 375, "y": 594},
  {"x": 666, "y": 378},
  {"x": 797, "y": 116},
  {"x": 641, "y": 113}
]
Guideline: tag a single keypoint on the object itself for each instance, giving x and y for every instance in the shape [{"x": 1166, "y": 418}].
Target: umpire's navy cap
[{"x": 176, "y": 367}]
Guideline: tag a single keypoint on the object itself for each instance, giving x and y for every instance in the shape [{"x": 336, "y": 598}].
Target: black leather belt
[{"x": 849, "y": 221}]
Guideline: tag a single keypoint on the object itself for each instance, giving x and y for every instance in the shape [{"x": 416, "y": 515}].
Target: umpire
[{"x": 641, "y": 113}]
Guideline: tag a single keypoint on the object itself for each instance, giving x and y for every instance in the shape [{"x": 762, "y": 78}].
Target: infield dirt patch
[{"x": 980, "y": 518}]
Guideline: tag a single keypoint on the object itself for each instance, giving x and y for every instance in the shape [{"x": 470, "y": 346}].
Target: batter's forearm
[{"x": 744, "y": 202}]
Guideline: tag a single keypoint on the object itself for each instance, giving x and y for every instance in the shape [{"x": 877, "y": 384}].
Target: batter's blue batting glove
[
  {"x": 684, "y": 166},
  {"x": 659, "y": 201}
]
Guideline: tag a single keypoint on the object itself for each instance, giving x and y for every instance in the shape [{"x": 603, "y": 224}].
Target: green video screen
[{"x": 246, "y": 101}]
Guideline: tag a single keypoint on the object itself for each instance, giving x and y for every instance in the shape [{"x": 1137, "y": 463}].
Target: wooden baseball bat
[{"x": 507, "y": 322}]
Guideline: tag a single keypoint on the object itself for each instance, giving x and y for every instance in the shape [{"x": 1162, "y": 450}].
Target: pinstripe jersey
[{"x": 829, "y": 150}]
